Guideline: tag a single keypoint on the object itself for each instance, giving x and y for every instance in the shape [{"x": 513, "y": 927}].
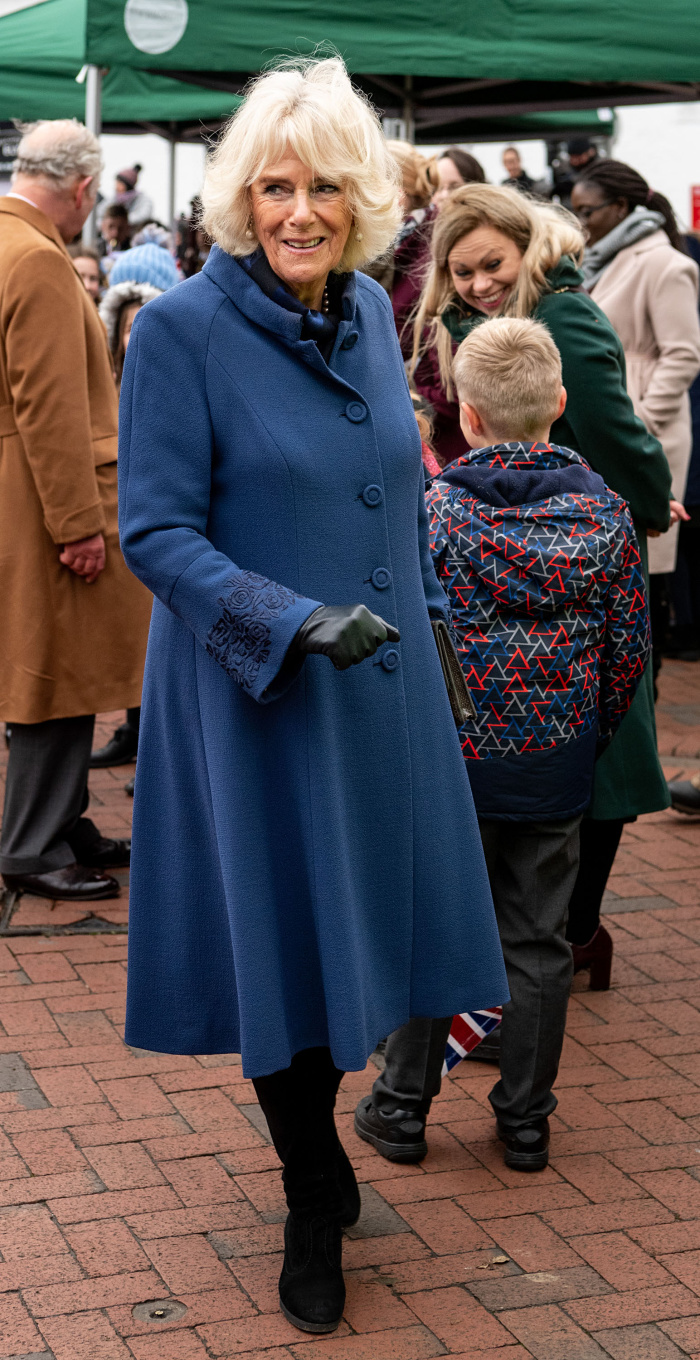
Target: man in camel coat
[{"x": 73, "y": 618}]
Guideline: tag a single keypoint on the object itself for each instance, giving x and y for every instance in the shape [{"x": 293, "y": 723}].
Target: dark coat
[
  {"x": 307, "y": 867},
  {"x": 541, "y": 566},
  {"x": 599, "y": 423}
]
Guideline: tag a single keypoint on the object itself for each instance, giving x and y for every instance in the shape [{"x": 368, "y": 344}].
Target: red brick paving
[{"x": 129, "y": 1177}]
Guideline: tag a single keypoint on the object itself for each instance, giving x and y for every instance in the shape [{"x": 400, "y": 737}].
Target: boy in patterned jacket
[{"x": 540, "y": 562}]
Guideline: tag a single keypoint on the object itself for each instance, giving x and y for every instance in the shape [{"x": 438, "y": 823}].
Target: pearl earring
[
  {"x": 358, "y": 235},
  {"x": 249, "y": 231}
]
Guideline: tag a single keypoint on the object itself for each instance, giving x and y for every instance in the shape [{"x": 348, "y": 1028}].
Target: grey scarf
[{"x": 639, "y": 223}]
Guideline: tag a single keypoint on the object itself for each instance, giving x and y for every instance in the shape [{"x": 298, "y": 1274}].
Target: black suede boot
[
  {"x": 351, "y": 1204},
  {"x": 312, "y": 1289}
]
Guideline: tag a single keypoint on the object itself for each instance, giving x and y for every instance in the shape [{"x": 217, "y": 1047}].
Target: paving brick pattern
[{"x": 140, "y": 1204}]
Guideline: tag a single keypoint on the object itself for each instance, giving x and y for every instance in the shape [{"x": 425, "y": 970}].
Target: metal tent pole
[
  {"x": 93, "y": 121},
  {"x": 171, "y": 178}
]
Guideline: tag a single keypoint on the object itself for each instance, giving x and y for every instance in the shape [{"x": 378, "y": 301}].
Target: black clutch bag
[{"x": 461, "y": 701}]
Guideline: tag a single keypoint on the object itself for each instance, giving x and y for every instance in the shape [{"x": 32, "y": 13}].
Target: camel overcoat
[
  {"x": 307, "y": 867},
  {"x": 650, "y": 294},
  {"x": 68, "y": 648}
]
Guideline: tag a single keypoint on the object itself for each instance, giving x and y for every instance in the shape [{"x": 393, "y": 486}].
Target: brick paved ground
[{"x": 140, "y": 1203}]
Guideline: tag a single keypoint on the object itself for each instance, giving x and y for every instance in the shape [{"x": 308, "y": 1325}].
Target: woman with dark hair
[
  {"x": 448, "y": 172},
  {"x": 637, "y": 269},
  {"x": 455, "y": 167}
]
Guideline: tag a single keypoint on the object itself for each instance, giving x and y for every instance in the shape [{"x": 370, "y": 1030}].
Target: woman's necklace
[{"x": 325, "y": 304}]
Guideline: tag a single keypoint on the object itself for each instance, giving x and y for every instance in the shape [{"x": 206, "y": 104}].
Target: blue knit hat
[{"x": 145, "y": 264}]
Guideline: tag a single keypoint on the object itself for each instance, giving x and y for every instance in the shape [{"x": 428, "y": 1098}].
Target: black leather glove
[{"x": 347, "y": 633}]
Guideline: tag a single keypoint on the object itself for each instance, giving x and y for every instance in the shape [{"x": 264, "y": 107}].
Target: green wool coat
[{"x": 599, "y": 423}]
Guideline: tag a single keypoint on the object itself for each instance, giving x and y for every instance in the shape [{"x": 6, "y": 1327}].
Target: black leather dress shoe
[
  {"x": 400, "y": 1137},
  {"x": 75, "y": 883},
  {"x": 685, "y": 795},
  {"x": 105, "y": 854},
  {"x": 121, "y": 750},
  {"x": 527, "y": 1148}
]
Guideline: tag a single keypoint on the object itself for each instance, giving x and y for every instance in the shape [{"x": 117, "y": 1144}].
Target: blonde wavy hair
[
  {"x": 419, "y": 175},
  {"x": 308, "y": 104},
  {"x": 542, "y": 232}
]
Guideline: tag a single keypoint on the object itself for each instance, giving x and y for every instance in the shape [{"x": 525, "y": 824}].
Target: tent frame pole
[{"x": 93, "y": 122}]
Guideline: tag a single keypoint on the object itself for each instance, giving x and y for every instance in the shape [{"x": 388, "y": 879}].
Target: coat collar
[
  {"x": 225, "y": 271},
  {"x": 17, "y": 207}
]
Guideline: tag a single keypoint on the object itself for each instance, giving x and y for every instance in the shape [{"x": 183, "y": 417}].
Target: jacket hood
[
  {"x": 460, "y": 318},
  {"x": 532, "y": 514},
  {"x": 117, "y": 297}
]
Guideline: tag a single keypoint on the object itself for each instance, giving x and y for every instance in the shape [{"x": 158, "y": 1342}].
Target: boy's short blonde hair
[{"x": 509, "y": 369}]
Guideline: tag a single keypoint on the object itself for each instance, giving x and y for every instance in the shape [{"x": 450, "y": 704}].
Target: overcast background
[{"x": 662, "y": 141}]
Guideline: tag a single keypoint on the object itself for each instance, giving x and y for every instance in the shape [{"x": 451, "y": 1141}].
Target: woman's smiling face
[
  {"x": 301, "y": 222},
  {"x": 484, "y": 266}
]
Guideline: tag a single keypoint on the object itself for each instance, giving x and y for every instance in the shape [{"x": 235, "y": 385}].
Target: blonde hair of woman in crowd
[
  {"x": 543, "y": 233},
  {"x": 417, "y": 172},
  {"x": 348, "y": 148}
]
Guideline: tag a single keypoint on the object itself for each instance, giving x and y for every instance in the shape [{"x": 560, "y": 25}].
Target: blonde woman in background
[{"x": 498, "y": 253}]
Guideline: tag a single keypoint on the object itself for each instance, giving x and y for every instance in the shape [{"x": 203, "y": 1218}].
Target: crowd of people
[{"x": 402, "y": 466}]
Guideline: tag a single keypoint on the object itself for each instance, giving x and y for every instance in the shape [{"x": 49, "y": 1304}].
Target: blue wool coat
[{"x": 306, "y": 867}]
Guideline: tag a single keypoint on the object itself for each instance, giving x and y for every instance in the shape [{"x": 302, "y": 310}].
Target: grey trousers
[
  {"x": 45, "y": 794},
  {"x": 532, "y": 869}
]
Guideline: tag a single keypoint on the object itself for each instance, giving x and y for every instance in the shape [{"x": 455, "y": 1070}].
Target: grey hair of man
[{"x": 58, "y": 151}]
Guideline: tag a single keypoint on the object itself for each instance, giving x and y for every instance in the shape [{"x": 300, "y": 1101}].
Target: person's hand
[
  {"x": 86, "y": 557},
  {"x": 345, "y": 633},
  {"x": 678, "y": 512}
]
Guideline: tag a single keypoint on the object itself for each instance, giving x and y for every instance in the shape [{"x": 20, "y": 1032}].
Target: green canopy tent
[
  {"x": 437, "y": 67},
  {"x": 42, "y": 51}
]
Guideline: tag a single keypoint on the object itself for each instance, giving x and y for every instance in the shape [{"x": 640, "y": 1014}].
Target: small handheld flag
[{"x": 467, "y": 1032}]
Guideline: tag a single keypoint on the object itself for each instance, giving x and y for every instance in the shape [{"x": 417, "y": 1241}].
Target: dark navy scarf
[{"x": 319, "y": 326}]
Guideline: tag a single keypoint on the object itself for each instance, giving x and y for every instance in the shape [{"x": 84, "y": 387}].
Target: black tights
[
  {"x": 599, "y": 843},
  {"x": 299, "y": 1103}
]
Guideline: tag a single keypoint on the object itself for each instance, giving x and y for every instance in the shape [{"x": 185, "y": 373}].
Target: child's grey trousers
[{"x": 532, "y": 869}]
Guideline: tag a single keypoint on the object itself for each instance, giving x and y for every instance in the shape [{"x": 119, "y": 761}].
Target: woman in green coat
[{"x": 497, "y": 253}]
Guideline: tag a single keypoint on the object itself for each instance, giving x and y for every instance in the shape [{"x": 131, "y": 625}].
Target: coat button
[
  {"x": 350, "y": 340},
  {"x": 381, "y": 578},
  {"x": 372, "y": 495},
  {"x": 390, "y": 660},
  {"x": 355, "y": 411}
]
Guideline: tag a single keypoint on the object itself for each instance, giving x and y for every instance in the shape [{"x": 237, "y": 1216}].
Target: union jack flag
[{"x": 467, "y": 1031}]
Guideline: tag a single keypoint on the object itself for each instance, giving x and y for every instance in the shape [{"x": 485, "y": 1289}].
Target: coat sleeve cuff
[
  {"x": 247, "y": 629},
  {"x": 79, "y": 524}
]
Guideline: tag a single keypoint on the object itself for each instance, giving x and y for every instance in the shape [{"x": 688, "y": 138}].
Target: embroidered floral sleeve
[{"x": 240, "y": 638}]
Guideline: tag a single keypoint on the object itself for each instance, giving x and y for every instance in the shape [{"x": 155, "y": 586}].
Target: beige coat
[
  {"x": 650, "y": 294},
  {"x": 68, "y": 648}
]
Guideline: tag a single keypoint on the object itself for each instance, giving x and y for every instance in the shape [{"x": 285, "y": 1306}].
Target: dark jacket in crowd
[
  {"x": 411, "y": 265},
  {"x": 599, "y": 423},
  {"x": 541, "y": 565}
]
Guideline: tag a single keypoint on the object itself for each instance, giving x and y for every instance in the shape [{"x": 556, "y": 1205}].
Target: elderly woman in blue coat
[{"x": 306, "y": 871}]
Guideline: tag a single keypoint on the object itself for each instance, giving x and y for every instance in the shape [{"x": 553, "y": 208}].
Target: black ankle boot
[{"x": 312, "y": 1288}]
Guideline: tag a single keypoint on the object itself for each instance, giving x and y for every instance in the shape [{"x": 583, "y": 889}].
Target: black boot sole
[
  {"x": 392, "y": 1152},
  {"x": 526, "y": 1161},
  {"x": 315, "y": 1327}
]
